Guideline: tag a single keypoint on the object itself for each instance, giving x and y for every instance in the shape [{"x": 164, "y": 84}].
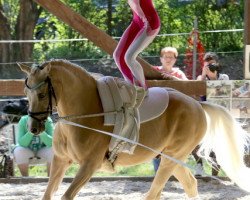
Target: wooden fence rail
[
  {"x": 10, "y": 87},
  {"x": 14, "y": 87}
]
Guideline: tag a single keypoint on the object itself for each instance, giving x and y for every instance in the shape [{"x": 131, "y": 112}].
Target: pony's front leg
[
  {"x": 57, "y": 171},
  {"x": 83, "y": 175}
]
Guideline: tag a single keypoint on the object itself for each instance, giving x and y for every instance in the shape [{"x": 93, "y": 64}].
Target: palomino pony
[{"x": 176, "y": 132}]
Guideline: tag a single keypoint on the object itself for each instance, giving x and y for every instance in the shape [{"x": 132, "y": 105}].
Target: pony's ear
[
  {"x": 47, "y": 68},
  {"x": 24, "y": 68}
]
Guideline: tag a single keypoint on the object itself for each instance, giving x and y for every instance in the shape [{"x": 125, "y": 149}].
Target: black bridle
[{"x": 51, "y": 94}]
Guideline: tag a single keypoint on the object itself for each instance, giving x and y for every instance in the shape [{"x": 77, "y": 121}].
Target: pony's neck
[{"x": 77, "y": 91}]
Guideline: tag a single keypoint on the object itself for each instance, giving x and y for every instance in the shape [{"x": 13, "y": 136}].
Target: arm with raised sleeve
[
  {"x": 24, "y": 137},
  {"x": 47, "y": 135}
]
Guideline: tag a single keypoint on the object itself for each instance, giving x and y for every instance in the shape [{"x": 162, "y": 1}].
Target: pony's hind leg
[
  {"x": 163, "y": 173},
  {"x": 57, "y": 171},
  {"x": 188, "y": 181}
]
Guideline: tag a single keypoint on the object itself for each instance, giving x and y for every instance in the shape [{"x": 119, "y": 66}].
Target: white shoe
[
  {"x": 199, "y": 170},
  {"x": 194, "y": 198}
]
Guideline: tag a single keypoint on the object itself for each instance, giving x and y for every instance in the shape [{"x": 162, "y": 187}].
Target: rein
[
  {"x": 136, "y": 143},
  {"x": 68, "y": 117},
  {"x": 127, "y": 140}
]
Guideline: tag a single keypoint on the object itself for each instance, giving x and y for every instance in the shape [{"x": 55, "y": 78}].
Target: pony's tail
[{"x": 228, "y": 141}]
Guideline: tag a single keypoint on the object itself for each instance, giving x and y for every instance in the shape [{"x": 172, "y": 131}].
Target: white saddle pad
[{"x": 154, "y": 104}]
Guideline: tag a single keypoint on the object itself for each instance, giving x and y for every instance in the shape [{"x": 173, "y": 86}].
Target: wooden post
[
  {"x": 247, "y": 22},
  {"x": 90, "y": 31},
  {"x": 195, "y": 48},
  {"x": 247, "y": 38}
]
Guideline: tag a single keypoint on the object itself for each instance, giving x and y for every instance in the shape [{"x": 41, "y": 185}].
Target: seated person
[{"x": 29, "y": 145}]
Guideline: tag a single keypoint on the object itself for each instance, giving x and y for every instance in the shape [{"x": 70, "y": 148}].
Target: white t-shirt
[{"x": 223, "y": 77}]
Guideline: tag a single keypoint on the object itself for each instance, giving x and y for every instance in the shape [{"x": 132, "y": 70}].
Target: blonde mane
[{"x": 71, "y": 67}]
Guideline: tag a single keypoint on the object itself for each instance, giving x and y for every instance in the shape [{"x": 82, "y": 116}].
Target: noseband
[{"x": 51, "y": 94}]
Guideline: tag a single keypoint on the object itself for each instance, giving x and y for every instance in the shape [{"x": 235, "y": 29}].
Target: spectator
[
  {"x": 211, "y": 68},
  {"x": 210, "y": 71},
  {"x": 30, "y": 146},
  {"x": 168, "y": 57}
]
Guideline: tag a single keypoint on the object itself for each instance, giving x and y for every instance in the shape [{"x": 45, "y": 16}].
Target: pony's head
[{"x": 41, "y": 95}]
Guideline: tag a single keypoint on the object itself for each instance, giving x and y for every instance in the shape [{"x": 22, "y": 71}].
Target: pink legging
[{"x": 140, "y": 33}]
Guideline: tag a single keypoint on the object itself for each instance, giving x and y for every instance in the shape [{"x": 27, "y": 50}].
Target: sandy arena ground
[{"x": 124, "y": 190}]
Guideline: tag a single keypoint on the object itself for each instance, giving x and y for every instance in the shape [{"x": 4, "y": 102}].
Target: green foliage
[
  {"x": 180, "y": 19},
  {"x": 11, "y": 8},
  {"x": 175, "y": 17},
  {"x": 73, "y": 50}
]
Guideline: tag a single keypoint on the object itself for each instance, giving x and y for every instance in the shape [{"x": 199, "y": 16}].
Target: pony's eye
[{"x": 41, "y": 96}]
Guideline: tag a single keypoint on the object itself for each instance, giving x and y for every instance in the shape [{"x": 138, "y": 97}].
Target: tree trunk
[
  {"x": 109, "y": 17},
  {"x": 5, "y": 34},
  {"x": 24, "y": 29},
  {"x": 26, "y": 22}
]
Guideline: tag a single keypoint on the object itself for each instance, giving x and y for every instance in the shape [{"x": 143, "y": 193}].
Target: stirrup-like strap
[{"x": 124, "y": 98}]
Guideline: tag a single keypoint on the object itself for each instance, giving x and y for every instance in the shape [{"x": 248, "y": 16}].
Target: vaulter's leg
[
  {"x": 188, "y": 181},
  {"x": 57, "y": 171},
  {"x": 163, "y": 173}
]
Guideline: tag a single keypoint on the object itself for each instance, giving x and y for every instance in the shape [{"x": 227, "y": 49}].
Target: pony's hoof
[{"x": 107, "y": 167}]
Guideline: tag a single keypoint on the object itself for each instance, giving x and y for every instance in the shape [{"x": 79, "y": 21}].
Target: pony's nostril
[{"x": 34, "y": 130}]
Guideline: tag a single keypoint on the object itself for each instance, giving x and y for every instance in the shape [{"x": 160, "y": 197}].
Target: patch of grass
[
  {"x": 35, "y": 171},
  {"x": 145, "y": 169}
]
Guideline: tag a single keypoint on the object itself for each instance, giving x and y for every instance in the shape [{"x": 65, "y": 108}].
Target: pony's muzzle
[
  {"x": 34, "y": 131},
  {"x": 35, "y": 127}
]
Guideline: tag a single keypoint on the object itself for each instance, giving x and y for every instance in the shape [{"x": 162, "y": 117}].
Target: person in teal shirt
[{"x": 31, "y": 146}]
